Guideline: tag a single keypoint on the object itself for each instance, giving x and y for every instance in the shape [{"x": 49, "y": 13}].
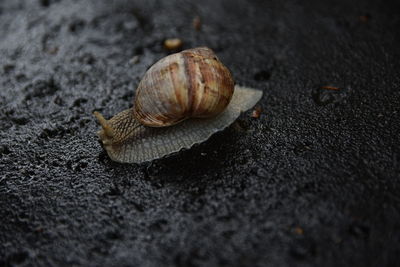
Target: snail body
[{"x": 182, "y": 100}]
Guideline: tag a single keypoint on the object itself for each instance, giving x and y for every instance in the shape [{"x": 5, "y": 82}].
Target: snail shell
[
  {"x": 190, "y": 84},
  {"x": 182, "y": 100}
]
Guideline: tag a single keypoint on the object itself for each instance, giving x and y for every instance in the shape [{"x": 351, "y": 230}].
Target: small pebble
[
  {"x": 298, "y": 230},
  {"x": 197, "y": 23},
  {"x": 134, "y": 60},
  {"x": 364, "y": 18},
  {"x": 256, "y": 112},
  {"x": 52, "y": 50},
  {"x": 328, "y": 87},
  {"x": 173, "y": 44}
]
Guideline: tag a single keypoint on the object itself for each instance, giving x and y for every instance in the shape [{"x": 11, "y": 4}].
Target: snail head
[{"x": 107, "y": 133}]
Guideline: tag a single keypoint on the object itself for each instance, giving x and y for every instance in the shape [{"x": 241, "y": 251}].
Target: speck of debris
[
  {"x": 256, "y": 113},
  {"x": 134, "y": 60},
  {"x": 173, "y": 44},
  {"x": 197, "y": 23}
]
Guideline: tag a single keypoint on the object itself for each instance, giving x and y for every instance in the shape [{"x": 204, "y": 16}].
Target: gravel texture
[{"x": 314, "y": 181}]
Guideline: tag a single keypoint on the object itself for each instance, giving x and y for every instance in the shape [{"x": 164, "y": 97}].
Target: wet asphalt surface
[{"x": 314, "y": 181}]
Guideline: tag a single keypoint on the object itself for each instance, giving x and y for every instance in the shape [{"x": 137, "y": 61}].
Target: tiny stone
[
  {"x": 173, "y": 44},
  {"x": 256, "y": 112},
  {"x": 197, "y": 23},
  {"x": 134, "y": 60},
  {"x": 298, "y": 230}
]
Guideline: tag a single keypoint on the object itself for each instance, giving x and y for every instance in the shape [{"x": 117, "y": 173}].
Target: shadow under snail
[{"x": 182, "y": 100}]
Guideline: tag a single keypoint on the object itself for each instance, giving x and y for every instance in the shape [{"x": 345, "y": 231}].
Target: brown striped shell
[{"x": 189, "y": 84}]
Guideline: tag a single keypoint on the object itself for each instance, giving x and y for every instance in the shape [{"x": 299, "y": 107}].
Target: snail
[{"x": 182, "y": 100}]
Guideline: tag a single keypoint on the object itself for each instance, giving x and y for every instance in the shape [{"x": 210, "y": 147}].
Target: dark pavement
[{"x": 314, "y": 181}]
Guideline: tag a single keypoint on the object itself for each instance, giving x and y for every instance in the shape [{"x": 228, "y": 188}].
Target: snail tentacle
[{"x": 108, "y": 130}]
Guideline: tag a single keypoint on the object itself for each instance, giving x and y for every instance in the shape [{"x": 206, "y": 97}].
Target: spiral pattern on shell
[{"x": 189, "y": 84}]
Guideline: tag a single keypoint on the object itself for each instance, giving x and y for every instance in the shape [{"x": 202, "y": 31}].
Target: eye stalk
[{"x": 107, "y": 133}]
